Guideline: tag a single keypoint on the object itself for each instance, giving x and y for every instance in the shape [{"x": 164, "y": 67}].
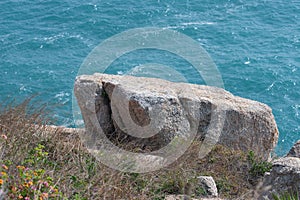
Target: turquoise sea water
[{"x": 255, "y": 44}]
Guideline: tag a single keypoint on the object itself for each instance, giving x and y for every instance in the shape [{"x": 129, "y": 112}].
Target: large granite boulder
[{"x": 150, "y": 112}]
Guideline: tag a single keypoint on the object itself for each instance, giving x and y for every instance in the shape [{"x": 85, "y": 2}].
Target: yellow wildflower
[
  {"x": 20, "y": 167},
  {"x": 3, "y": 173}
]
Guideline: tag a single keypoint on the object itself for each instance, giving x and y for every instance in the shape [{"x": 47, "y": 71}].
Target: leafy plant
[
  {"x": 36, "y": 156},
  {"x": 258, "y": 167}
]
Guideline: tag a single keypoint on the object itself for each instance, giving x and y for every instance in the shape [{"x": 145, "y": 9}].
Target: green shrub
[{"x": 257, "y": 167}]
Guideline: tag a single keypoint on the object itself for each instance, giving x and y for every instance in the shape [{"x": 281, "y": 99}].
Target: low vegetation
[
  {"x": 286, "y": 196},
  {"x": 40, "y": 164}
]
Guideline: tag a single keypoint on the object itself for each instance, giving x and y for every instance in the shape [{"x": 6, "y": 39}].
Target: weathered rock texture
[
  {"x": 209, "y": 185},
  {"x": 284, "y": 177},
  {"x": 127, "y": 105},
  {"x": 295, "y": 150}
]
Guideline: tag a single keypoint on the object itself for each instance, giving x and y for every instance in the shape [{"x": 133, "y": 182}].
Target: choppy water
[{"x": 255, "y": 44}]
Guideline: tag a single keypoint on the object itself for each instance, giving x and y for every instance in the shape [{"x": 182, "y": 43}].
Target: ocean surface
[{"x": 255, "y": 45}]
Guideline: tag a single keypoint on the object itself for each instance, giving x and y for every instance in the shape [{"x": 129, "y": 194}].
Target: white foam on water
[{"x": 197, "y": 23}]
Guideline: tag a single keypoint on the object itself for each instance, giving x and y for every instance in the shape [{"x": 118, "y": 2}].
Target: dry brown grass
[{"x": 79, "y": 176}]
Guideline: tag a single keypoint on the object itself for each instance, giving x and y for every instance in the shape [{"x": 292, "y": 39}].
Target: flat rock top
[{"x": 162, "y": 87}]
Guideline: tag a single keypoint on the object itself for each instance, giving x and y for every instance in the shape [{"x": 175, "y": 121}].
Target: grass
[
  {"x": 39, "y": 163},
  {"x": 286, "y": 196}
]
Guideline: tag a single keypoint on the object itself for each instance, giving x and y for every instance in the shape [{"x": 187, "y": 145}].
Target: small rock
[
  {"x": 295, "y": 150},
  {"x": 209, "y": 185},
  {"x": 184, "y": 197},
  {"x": 178, "y": 197}
]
